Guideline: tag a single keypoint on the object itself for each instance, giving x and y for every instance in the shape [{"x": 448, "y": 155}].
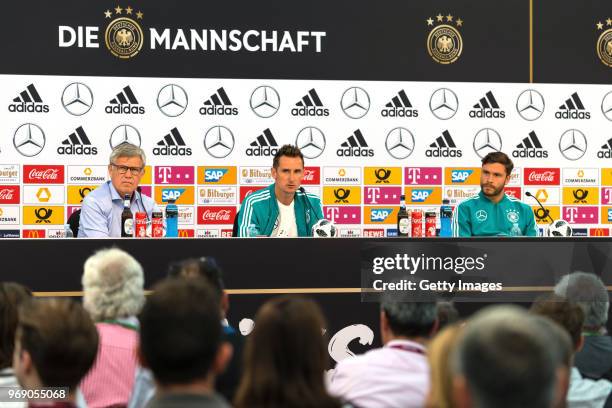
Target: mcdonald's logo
[
  {"x": 599, "y": 232},
  {"x": 33, "y": 233},
  {"x": 186, "y": 233}
]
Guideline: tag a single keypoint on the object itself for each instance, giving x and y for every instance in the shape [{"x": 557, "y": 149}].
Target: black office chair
[{"x": 74, "y": 221}]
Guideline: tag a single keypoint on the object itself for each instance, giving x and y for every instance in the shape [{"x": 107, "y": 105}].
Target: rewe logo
[
  {"x": 264, "y": 145},
  {"x": 399, "y": 106},
  {"x": 420, "y": 195},
  {"x": 77, "y": 144},
  {"x": 219, "y": 104},
  {"x": 459, "y": 176},
  {"x": 172, "y": 145},
  {"x": 355, "y": 146},
  {"x": 124, "y": 103},
  {"x": 530, "y": 147},
  {"x": 171, "y": 194},
  {"x": 606, "y": 150},
  {"x": 214, "y": 175},
  {"x": 310, "y": 105},
  {"x": 572, "y": 109},
  {"x": 487, "y": 107},
  {"x": 29, "y": 100},
  {"x": 444, "y": 146},
  {"x": 380, "y": 214}
]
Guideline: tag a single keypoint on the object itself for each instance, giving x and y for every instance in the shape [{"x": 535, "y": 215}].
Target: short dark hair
[
  {"x": 180, "y": 330},
  {"x": 568, "y": 315},
  {"x": 11, "y": 296},
  {"x": 410, "y": 319},
  {"x": 61, "y": 339},
  {"x": 289, "y": 151},
  {"x": 501, "y": 158},
  {"x": 205, "y": 267}
]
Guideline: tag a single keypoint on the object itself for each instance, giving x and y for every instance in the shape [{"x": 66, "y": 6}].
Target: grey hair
[
  {"x": 128, "y": 150},
  {"x": 589, "y": 292},
  {"x": 506, "y": 360},
  {"x": 113, "y": 285},
  {"x": 411, "y": 319}
]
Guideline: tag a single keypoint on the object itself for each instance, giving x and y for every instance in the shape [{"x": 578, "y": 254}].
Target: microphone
[
  {"x": 142, "y": 204},
  {"x": 303, "y": 191},
  {"x": 546, "y": 212}
]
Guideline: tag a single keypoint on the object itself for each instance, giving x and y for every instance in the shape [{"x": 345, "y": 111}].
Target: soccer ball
[
  {"x": 324, "y": 229},
  {"x": 560, "y": 228}
]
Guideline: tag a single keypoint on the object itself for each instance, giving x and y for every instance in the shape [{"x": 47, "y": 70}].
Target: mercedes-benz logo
[
  {"x": 443, "y": 103},
  {"x": 172, "y": 100},
  {"x": 265, "y": 101},
  {"x": 124, "y": 134},
  {"x": 487, "y": 140},
  {"x": 530, "y": 104},
  {"x": 573, "y": 144},
  {"x": 311, "y": 141},
  {"x": 606, "y": 105},
  {"x": 219, "y": 141},
  {"x": 399, "y": 143},
  {"x": 29, "y": 139},
  {"x": 77, "y": 98},
  {"x": 355, "y": 102},
  {"x": 481, "y": 215}
]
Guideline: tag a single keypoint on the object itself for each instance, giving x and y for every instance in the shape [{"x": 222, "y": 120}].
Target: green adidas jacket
[
  {"x": 259, "y": 212},
  {"x": 479, "y": 217}
]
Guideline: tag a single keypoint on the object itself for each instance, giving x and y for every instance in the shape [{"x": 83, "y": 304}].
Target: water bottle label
[
  {"x": 128, "y": 226},
  {"x": 404, "y": 226}
]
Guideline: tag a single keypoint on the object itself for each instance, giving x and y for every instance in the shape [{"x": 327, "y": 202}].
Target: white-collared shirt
[
  {"x": 396, "y": 375},
  {"x": 586, "y": 393}
]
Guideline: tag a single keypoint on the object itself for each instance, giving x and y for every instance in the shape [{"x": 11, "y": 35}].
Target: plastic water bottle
[
  {"x": 68, "y": 231},
  {"x": 171, "y": 219},
  {"x": 446, "y": 215},
  {"x": 516, "y": 230}
]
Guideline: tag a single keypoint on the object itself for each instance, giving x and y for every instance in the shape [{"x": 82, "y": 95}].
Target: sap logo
[
  {"x": 609, "y": 214},
  {"x": 459, "y": 176},
  {"x": 213, "y": 176},
  {"x": 420, "y": 196},
  {"x": 172, "y": 193},
  {"x": 380, "y": 214}
]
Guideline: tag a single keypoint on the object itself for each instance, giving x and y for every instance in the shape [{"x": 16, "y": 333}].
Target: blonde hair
[{"x": 439, "y": 354}]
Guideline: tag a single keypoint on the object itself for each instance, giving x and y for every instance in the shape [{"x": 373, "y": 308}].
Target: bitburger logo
[
  {"x": 604, "y": 42},
  {"x": 444, "y": 42},
  {"x": 123, "y": 35}
]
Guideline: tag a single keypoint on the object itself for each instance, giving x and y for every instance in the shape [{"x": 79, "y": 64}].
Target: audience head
[
  {"x": 113, "y": 285},
  {"x": 503, "y": 359},
  {"x": 439, "y": 351},
  {"x": 447, "y": 314},
  {"x": 55, "y": 345},
  {"x": 590, "y": 293},
  {"x": 285, "y": 357},
  {"x": 11, "y": 296},
  {"x": 407, "y": 319},
  {"x": 180, "y": 333},
  {"x": 566, "y": 314}
]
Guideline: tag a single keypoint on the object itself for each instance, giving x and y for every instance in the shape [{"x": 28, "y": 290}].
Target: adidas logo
[
  {"x": 487, "y": 107},
  {"x": 310, "y": 105},
  {"x": 399, "y": 106},
  {"x": 572, "y": 109},
  {"x": 530, "y": 147},
  {"x": 218, "y": 104},
  {"x": 77, "y": 143},
  {"x": 172, "y": 145},
  {"x": 355, "y": 146},
  {"x": 264, "y": 145},
  {"x": 444, "y": 146},
  {"x": 125, "y": 103},
  {"x": 29, "y": 100},
  {"x": 606, "y": 150}
]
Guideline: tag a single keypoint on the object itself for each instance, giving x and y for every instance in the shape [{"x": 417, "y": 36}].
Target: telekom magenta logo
[
  {"x": 383, "y": 195},
  {"x": 174, "y": 175},
  {"x": 423, "y": 175},
  {"x": 343, "y": 214},
  {"x": 606, "y": 195},
  {"x": 581, "y": 215}
]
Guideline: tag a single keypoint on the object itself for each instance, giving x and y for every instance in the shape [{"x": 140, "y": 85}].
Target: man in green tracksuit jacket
[
  {"x": 282, "y": 209},
  {"x": 491, "y": 212}
]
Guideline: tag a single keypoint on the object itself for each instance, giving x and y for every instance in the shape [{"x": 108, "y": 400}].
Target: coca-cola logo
[
  {"x": 6, "y": 194},
  {"x": 312, "y": 175},
  {"x": 216, "y": 215},
  {"x": 43, "y": 174},
  {"x": 9, "y": 194},
  {"x": 223, "y": 215},
  {"x": 542, "y": 176}
]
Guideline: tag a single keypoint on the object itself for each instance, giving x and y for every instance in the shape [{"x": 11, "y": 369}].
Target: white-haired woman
[{"x": 113, "y": 295}]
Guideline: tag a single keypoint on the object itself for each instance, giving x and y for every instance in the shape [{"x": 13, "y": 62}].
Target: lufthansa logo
[
  {"x": 29, "y": 139},
  {"x": 77, "y": 99},
  {"x": 486, "y": 141},
  {"x": 444, "y": 43},
  {"x": 573, "y": 144},
  {"x": 123, "y": 36},
  {"x": 400, "y": 143},
  {"x": 443, "y": 103},
  {"x": 311, "y": 141},
  {"x": 481, "y": 215},
  {"x": 124, "y": 134},
  {"x": 219, "y": 141}
]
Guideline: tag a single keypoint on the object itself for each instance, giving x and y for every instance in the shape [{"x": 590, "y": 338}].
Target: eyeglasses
[{"x": 135, "y": 171}]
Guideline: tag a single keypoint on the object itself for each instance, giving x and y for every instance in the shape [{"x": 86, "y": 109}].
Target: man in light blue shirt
[{"x": 102, "y": 208}]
